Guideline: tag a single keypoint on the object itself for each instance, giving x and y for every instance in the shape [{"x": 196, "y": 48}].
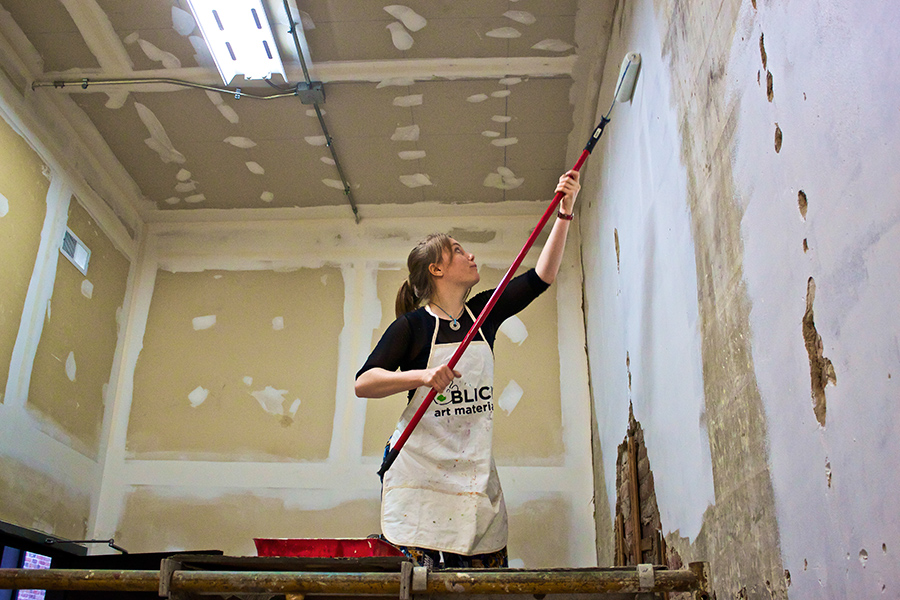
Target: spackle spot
[
  {"x": 131, "y": 38},
  {"x": 409, "y": 133},
  {"x": 172, "y": 200},
  {"x": 158, "y": 141},
  {"x": 183, "y": 175},
  {"x": 306, "y": 20},
  {"x": 501, "y": 119},
  {"x": 505, "y": 33},
  {"x": 510, "y": 80},
  {"x": 334, "y": 183},
  {"x": 311, "y": 112},
  {"x": 198, "y": 396},
  {"x": 520, "y": 16},
  {"x": 316, "y": 140},
  {"x": 411, "y": 154},
  {"x": 863, "y": 557},
  {"x": 415, "y": 180},
  {"x": 267, "y": 196},
  {"x": 395, "y": 81},
  {"x": 490, "y": 134},
  {"x": 4, "y": 206},
  {"x": 183, "y": 21},
  {"x": 410, "y": 18},
  {"x": 400, "y": 37},
  {"x": 516, "y": 563},
  {"x": 168, "y": 60},
  {"x": 229, "y": 113},
  {"x": 294, "y": 406},
  {"x": 503, "y": 179},
  {"x": 278, "y": 323},
  {"x": 204, "y": 322},
  {"x": 500, "y": 94},
  {"x": 477, "y": 98},
  {"x": 271, "y": 400},
  {"x": 215, "y": 98},
  {"x": 240, "y": 141},
  {"x": 514, "y": 329},
  {"x": 87, "y": 289},
  {"x": 552, "y": 45},
  {"x": 505, "y": 141},
  {"x": 327, "y": 160},
  {"x": 70, "y": 366},
  {"x": 255, "y": 168},
  {"x": 248, "y": 380},
  {"x": 406, "y": 101},
  {"x": 195, "y": 198},
  {"x": 217, "y": 277},
  {"x": 510, "y": 397},
  {"x": 183, "y": 187}
]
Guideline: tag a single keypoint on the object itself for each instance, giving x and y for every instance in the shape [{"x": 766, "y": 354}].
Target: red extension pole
[{"x": 395, "y": 451}]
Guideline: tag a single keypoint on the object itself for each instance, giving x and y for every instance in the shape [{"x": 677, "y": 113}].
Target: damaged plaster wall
[
  {"x": 223, "y": 310},
  {"x": 743, "y": 221}
]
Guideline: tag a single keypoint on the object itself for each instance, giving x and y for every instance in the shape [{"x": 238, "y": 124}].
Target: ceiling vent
[{"x": 75, "y": 250}]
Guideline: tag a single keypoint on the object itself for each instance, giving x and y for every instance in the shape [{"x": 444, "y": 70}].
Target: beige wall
[
  {"x": 23, "y": 187},
  {"x": 81, "y": 329},
  {"x": 266, "y": 391}
]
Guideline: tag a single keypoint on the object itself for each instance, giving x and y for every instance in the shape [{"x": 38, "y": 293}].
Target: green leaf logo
[{"x": 441, "y": 399}]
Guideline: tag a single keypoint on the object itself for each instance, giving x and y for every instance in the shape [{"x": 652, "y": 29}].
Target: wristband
[{"x": 564, "y": 216}]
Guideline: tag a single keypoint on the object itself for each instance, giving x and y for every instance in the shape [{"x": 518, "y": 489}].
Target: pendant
[{"x": 454, "y": 325}]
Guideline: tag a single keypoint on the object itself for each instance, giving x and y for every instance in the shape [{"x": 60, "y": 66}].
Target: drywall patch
[
  {"x": 415, "y": 180},
  {"x": 198, "y": 396},
  {"x": 514, "y": 329},
  {"x": 240, "y": 142},
  {"x": 505, "y": 33},
  {"x": 408, "y": 133},
  {"x": 553, "y": 45},
  {"x": 407, "y": 101},
  {"x": 520, "y": 16},
  {"x": 821, "y": 371},
  {"x": 158, "y": 141},
  {"x": 411, "y": 154},
  {"x": 410, "y": 18},
  {"x": 71, "y": 367},
  {"x": 204, "y": 322}
]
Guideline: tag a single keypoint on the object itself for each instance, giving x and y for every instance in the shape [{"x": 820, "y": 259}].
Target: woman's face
[{"x": 458, "y": 266}]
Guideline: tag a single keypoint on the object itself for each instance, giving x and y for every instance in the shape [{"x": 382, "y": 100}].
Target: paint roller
[{"x": 624, "y": 91}]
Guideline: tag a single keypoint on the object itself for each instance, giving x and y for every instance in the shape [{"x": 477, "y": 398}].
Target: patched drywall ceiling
[{"x": 441, "y": 102}]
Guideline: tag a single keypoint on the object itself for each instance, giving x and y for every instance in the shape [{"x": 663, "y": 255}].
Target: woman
[{"x": 442, "y": 496}]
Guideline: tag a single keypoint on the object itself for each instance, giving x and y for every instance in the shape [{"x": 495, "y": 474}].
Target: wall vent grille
[{"x": 75, "y": 250}]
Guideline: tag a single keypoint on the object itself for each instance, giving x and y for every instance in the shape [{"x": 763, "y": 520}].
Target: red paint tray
[{"x": 325, "y": 548}]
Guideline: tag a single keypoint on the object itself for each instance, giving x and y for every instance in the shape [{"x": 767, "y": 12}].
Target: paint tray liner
[{"x": 325, "y": 547}]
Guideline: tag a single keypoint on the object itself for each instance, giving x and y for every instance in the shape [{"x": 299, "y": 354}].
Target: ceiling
[{"x": 442, "y": 101}]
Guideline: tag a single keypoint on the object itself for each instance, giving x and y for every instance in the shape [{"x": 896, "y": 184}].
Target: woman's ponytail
[{"x": 419, "y": 286}]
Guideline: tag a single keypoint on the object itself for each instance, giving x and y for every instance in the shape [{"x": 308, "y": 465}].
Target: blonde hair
[{"x": 419, "y": 286}]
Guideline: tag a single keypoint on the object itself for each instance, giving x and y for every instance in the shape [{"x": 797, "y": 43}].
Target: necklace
[{"x": 454, "y": 322}]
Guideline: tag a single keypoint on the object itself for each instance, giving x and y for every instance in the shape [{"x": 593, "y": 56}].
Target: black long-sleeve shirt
[{"x": 406, "y": 344}]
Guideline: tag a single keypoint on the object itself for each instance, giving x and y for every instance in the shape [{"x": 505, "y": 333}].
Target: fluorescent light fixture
[{"x": 239, "y": 36}]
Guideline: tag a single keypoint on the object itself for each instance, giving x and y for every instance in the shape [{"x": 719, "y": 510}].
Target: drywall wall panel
[
  {"x": 74, "y": 357},
  {"x": 382, "y": 414},
  {"x": 539, "y": 532},
  {"x": 527, "y": 413},
  {"x": 159, "y": 519},
  {"x": 23, "y": 205},
  {"x": 31, "y": 498},
  {"x": 238, "y": 365}
]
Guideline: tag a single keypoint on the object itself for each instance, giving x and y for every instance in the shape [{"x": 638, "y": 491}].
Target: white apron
[{"x": 443, "y": 492}]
